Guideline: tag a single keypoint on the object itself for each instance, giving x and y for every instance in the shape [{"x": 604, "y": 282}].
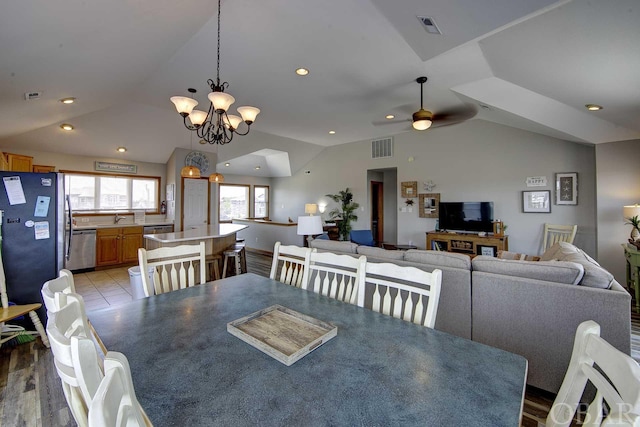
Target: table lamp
[
  {"x": 631, "y": 214},
  {"x": 310, "y": 208},
  {"x": 309, "y": 225}
]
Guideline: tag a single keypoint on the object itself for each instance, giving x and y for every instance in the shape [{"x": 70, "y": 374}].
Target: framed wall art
[
  {"x": 409, "y": 189},
  {"x": 429, "y": 204},
  {"x": 567, "y": 188},
  {"x": 536, "y": 201}
]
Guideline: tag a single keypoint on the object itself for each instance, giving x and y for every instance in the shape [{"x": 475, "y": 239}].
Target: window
[
  {"x": 233, "y": 202},
  {"x": 260, "y": 201},
  {"x": 107, "y": 193}
]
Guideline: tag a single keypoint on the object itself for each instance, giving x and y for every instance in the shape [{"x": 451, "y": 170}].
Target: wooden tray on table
[{"x": 282, "y": 333}]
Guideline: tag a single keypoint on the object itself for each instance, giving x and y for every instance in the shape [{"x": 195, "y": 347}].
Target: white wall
[
  {"x": 618, "y": 177},
  {"x": 473, "y": 161}
]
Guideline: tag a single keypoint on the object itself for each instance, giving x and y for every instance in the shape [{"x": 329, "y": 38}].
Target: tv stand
[{"x": 467, "y": 243}]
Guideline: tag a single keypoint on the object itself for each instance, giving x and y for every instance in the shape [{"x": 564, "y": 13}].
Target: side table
[{"x": 632, "y": 255}]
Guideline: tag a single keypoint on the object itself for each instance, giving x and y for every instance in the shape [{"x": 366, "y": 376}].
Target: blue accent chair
[
  {"x": 362, "y": 237},
  {"x": 323, "y": 236}
]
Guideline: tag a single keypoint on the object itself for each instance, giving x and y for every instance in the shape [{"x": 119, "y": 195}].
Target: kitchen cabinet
[
  {"x": 19, "y": 163},
  {"x": 4, "y": 163},
  {"x": 43, "y": 169},
  {"x": 118, "y": 245}
]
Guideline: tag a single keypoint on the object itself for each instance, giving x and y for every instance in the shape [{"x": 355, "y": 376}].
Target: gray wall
[
  {"x": 473, "y": 161},
  {"x": 618, "y": 177}
]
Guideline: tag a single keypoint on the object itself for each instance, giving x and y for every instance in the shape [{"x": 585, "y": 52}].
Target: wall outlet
[{"x": 84, "y": 219}]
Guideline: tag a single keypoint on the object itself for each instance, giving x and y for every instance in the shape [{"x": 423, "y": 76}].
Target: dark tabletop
[{"x": 378, "y": 371}]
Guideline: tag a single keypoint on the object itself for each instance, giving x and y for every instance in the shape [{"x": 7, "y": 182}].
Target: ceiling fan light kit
[
  {"x": 422, "y": 118},
  {"x": 215, "y": 126}
]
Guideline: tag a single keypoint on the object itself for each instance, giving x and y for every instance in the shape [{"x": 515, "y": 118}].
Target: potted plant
[
  {"x": 345, "y": 213},
  {"x": 635, "y": 231}
]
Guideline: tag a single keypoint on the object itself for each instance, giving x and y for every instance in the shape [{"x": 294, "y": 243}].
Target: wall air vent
[
  {"x": 381, "y": 148},
  {"x": 429, "y": 24},
  {"x": 32, "y": 95}
]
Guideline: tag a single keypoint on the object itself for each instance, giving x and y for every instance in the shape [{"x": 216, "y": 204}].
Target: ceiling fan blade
[
  {"x": 390, "y": 122},
  {"x": 454, "y": 116}
]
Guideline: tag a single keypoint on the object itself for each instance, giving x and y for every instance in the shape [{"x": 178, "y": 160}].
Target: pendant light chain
[{"x": 218, "y": 69}]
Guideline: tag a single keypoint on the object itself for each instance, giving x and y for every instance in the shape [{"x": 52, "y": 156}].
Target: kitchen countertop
[
  {"x": 81, "y": 226},
  {"x": 198, "y": 233}
]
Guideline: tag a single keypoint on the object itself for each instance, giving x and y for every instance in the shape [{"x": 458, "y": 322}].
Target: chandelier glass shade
[{"x": 215, "y": 125}]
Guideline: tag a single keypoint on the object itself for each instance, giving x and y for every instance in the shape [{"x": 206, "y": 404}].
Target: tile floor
[{"x": 104, "y": 288}]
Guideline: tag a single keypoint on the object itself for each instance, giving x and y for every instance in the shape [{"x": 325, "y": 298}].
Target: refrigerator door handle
[{"x": 68, "y": 254}]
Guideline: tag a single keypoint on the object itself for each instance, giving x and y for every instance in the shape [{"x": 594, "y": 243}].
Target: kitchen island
[{"x": 216, "y": 238}]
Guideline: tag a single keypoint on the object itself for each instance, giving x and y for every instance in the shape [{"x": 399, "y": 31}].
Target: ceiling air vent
[
  {"x": 429, "y": 24},
  {"x": 381, "y": 148},
  {"x": 32, "y": 95}
]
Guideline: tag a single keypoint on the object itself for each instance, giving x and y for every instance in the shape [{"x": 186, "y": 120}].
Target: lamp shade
[
  {"x": 221, "y": 101},
  {"x": 630, "y": 211},
  {"x": 197, "y": 117},
  {"x": 183, "y": 104},
  {"x": 248, "y": 113},
  {"x": 216, "y": 177},
  {"x": 310, "y": 208},
  {"x": 190, "y": 172},
  {"x": 309, "y": 225},
  {"x": 233, "y": 122}
]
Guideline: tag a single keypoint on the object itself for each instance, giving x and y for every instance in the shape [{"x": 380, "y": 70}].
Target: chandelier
[{"x": 215, "y": 126}]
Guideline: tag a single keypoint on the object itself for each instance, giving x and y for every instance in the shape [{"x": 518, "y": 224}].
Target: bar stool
[
  {"x": 213, "y": 266},
  {"x": 238, "y": 254}
]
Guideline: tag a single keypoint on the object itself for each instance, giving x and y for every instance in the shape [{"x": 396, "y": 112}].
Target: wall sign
[
  {"x": 115, "y": 167},
  {"x": 536, "y": 181}
]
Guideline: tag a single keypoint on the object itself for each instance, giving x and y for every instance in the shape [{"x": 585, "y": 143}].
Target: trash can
[{"x": 135, "y": 281}]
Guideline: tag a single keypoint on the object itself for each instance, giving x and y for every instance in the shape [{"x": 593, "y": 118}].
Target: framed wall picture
[
  {"x": 567, "y": 188},
  {"x": 409, "y": 189},
  {"x": 429, "y": 205},
  {"x": 536, "y": 201},
  {"x": 487, "y": 250}
]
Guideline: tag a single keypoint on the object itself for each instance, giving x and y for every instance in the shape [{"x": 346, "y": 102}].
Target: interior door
[{"x": 195, "y": 199}]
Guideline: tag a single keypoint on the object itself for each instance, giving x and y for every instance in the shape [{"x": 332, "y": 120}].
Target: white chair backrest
[
  {"x": 62, "y": 324},
  {"x": 558, "y": 233},
  {"x": 115, "y": 402},
  {"x": 619, "y": 387},
  {"x": 417, "y": 292},
  {"x": 69, "y": 275},
  {"x": 174, "y": 268},
  {"x": 88, "y": 372},
  {"x": 336, "y": 276},
  {"x": 295, "y": 264},
  {"x": 50, "y": 288}
]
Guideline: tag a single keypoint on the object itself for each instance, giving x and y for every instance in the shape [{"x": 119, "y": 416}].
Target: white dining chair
[
  {"x": 54, "y": 294},
  {"x": 174, "y": 268},
  {"x": 61, "y": 326},
  {"x": 417, "y": 292},
  {"x": 290, "y": 264},
  {"x": 336, "y": 276},
  {"x": 558, "y": 233},
  {"x": 115, "y": 402},
  {"x": 88, "y": 371},
  {"x": 616, "y": 379}
]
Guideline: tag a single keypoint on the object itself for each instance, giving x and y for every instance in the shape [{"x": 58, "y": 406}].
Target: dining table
[{"x": 188, "y": 369}]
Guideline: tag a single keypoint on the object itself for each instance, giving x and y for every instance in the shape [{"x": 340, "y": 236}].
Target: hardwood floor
[{"x": 30, "y": 390}]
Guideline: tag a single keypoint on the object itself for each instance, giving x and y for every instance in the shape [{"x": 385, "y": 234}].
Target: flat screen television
[{"x": 466, "y": 216}]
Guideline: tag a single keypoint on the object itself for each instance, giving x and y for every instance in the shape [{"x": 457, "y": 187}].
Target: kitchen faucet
[{"x": 118, "y": 218}]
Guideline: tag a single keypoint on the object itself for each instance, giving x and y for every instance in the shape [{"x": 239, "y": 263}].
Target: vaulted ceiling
[{"x": 531, "y": 64}]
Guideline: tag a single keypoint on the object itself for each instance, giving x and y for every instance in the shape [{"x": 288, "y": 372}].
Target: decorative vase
[{"x": 635, "y": 234}]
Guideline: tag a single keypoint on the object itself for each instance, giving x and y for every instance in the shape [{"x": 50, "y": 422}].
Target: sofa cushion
[
  {"x": 551, "y": 271},
  {"x": 334, "y": 246},
  {"x": 517, "y": 256},
  {"x": 438, "y": 258},
  {"x": 594, "y": 275},
  {"x": 558, "y": 251},
  {"x": 369, "y": 251}
]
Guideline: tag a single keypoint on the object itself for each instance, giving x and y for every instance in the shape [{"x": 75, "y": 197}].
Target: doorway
[
  {"x": 377, "y": 211},
  {"x": 195, "y": 208}
]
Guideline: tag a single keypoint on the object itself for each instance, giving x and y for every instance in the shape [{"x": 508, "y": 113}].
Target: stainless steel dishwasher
[{"x": 83, "y": 250}]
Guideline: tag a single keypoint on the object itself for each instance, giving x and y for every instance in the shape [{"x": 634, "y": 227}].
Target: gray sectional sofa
[{"x": 531, "y": 308}]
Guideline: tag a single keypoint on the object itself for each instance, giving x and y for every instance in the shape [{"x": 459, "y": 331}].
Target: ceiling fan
[{"x": 424, "y": 119}]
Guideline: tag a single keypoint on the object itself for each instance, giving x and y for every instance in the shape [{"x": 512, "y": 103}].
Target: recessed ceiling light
[
  {"x": 389, "y": 116},
  {"x": 227, "y": 164},
  {"x": 69, "y": 100},
  {"x": 593, "y": 107},
  {"x": 302, "y": 71},
  {"x": 332, "y": 132},
  {"x": 122, "y": 149},
  {"x": 66, "y": 126},
  {"x": 257, "y": 167}
]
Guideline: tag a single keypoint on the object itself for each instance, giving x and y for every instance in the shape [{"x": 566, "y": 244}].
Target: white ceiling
[{"x": 531, "y": 64}]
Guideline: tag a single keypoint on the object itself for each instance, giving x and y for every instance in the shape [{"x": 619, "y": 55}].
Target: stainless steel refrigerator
[{"x": 33, "y": 233}]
